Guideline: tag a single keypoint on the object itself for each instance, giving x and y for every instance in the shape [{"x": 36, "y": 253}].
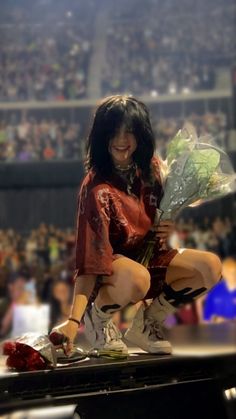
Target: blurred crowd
[
  {"x": 44, "y": 59},
  {"x": 217, "y": 236},
  {"x": 151, "y": 48},
  {"x": 39, "y": 266},
  {"x": 169, "y": 47},
  {"x": 210, "y": 126},
  {"x": 30, "y": 139},
  {"x": 36, "y": 267}
]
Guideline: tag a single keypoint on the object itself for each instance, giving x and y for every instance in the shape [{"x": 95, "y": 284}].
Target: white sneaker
[
  {"x": 147, "y": 334},
  {"x": 103, "y": 333}
]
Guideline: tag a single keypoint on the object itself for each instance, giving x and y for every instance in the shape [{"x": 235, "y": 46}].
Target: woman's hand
[
  {"x": 163, "y": 232},
  {"x": 69, "y": 329}
]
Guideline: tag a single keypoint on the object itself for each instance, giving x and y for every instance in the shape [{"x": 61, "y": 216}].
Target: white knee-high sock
[
  {"x": 170, "y": 300},
  {"x": 101, "y": 314},
  {"x": 159, "y": 309}
]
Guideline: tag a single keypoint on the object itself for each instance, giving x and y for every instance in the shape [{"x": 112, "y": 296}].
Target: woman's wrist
[{"x": 73, "y": 319}]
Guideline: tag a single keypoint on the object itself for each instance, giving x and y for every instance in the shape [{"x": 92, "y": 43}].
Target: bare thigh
[
  {"x": 133, "y": 270},
  {"x": 205, "y": 266},
  {"x": 129, "y": 282}
]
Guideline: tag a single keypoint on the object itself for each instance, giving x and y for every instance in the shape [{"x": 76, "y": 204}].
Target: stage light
[
  {"x": 186, "y": 90},
  {"x": 172, "y": 89},
  {"x": 154, "y": 93},
  {"x": 230, "y": 393}
]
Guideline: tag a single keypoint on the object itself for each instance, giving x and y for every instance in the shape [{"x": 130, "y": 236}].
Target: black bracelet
[{"x": 74, "y": 320}]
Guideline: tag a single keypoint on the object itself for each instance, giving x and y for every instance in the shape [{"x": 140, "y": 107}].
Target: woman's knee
[
  {"x": 210, "y": 267},
  {"x": 140, "y": 284},
  {"x": 215, "y": 267},
  {"x": 132, "y": 278}
]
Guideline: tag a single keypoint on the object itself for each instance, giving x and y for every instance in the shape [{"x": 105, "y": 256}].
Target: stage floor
[
  {"x": 187, "y": 341},
  {"x": 203, "y": 362}
]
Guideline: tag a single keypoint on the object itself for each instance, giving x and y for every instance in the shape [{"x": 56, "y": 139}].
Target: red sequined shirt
[{"x": 110, "y": 221}]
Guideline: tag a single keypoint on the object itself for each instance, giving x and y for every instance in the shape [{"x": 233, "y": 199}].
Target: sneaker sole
[{"x": 163, "y": 348}]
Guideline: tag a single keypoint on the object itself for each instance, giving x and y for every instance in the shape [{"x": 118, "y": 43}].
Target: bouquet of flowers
[
  {"x": 196, "y": 172},
  {"x": 30, "y": 352}
]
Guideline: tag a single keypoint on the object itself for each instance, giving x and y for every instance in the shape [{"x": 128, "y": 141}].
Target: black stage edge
[
  {"x": 190, "y": 384},
  {"x": 142, "y": 386},
  {"x": 38, "y": 174}
]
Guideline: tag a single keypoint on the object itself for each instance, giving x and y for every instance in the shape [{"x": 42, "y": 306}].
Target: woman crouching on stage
[{"x": 117, "y": 201}]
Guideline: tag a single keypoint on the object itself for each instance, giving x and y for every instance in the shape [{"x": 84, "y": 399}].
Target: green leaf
[{"x": 178, "y": 145}]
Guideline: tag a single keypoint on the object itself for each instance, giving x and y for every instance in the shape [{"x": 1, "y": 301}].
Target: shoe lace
[
  {"x": 111, "y": 331},
  {"x": 106, "y": 330},
  {"x": 155, "y": 330}
]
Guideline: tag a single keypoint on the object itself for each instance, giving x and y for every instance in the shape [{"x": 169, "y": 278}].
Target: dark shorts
[{"x": 157, "y": 269}]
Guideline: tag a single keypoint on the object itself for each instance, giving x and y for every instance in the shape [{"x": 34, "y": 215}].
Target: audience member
[{"x": 220, "y": 303}]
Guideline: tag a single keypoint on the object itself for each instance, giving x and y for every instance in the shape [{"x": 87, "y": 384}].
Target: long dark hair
[{"x": 113, "y": 112}]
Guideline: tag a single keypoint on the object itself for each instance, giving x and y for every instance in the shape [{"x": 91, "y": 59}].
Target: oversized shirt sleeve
[{"x": 93, "y": 251}]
